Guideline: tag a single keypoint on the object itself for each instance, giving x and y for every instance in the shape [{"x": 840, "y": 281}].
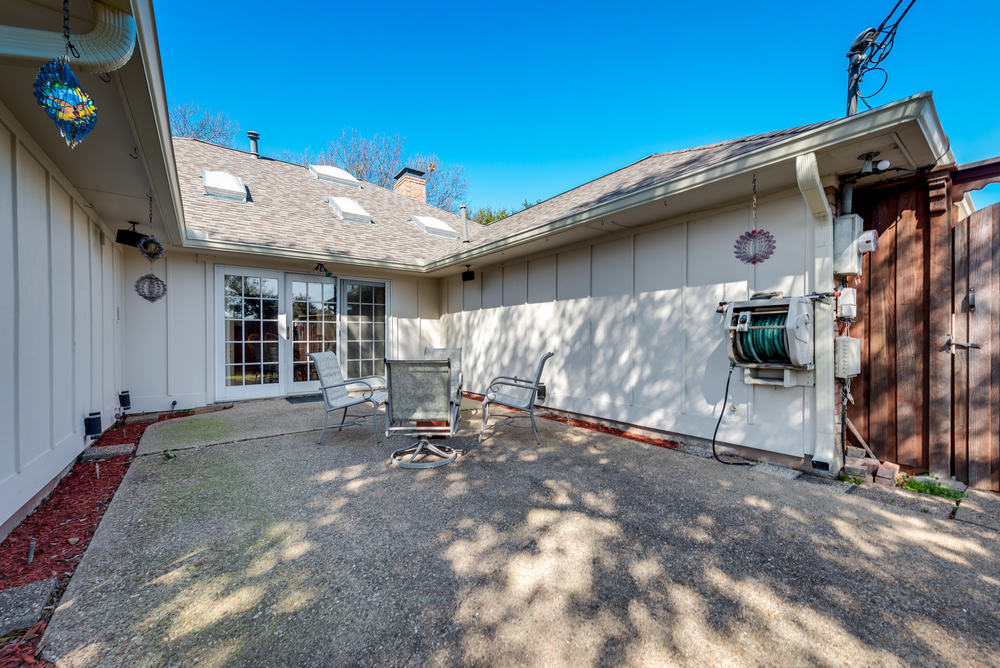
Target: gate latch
[{"x": 951, "y": 343}]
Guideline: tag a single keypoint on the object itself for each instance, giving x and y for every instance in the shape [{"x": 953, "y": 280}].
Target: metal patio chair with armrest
[
  {"x": 420, "y": 400},
  {"x": 335, "y": 396},
  {"x": 454, "y": 355},
  {"x": 522, "y": 401}
]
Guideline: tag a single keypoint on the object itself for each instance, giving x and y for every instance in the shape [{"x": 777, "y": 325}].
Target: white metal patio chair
[
  {"x": 420, "y": 399},
  {"x": 522, "y": 398},
  {"x": 335, "y": 396}
]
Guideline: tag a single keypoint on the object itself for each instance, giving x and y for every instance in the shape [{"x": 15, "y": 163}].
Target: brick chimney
[{"x": 411, "y": 182}]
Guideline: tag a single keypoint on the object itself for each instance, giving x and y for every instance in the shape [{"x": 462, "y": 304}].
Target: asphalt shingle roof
[{"x": 290, "y": 210}]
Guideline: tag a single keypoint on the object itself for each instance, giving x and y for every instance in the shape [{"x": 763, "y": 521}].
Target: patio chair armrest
[
  {"x": 368, "y": 393},
  {"x": 496, "y": 383},
  {"x": 527, "y": 383},
  {"x": 381, "y": 385}
]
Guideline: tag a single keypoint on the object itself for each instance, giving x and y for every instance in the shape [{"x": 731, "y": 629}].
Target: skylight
[
  {"x": 224, "y": 184},
  {"x": 434, "y": 226},
  {"x": 334, "y": 174},
  {"x": 348, "y": 209}
]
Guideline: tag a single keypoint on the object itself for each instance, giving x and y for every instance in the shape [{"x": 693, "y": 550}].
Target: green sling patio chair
[{"x": 421, "y": 403}]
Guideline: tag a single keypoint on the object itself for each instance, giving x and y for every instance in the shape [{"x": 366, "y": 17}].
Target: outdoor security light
[{"x": 882, "y": 165}]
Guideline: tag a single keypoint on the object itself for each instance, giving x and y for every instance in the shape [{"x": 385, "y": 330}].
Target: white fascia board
[
  {"x": 852, "y": 128},
  {"x": 216, "y": 246},
  {"x": 143, "y": 93}
]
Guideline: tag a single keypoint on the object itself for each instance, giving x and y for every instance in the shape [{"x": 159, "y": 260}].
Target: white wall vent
[
  {"x": 348, "y": 209},
  {"x": 224, "y": 184},
  {"x": 434, "y": 226},
  {"x": 334, "y": 174}
]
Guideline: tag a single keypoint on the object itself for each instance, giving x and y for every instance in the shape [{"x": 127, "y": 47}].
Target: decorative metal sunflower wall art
[{"x": 755, "y": 246}]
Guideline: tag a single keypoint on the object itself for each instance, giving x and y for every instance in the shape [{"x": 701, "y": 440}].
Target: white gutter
[{"x": 104, "y": 48}]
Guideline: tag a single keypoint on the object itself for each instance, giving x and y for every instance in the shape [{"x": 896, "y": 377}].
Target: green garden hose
[{"x": 765, "y": 340}]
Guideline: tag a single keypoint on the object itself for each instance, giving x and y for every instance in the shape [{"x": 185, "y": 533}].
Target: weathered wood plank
[
  {"x": 939, "y": 366},
  {"x": 882, "y": 399},
  {"x": 908, "y": 280},
  {"x": 995, "y": 352},
  {"x": 979, "y": 361},
  {"x": 960, "y": 361},
  {"x": 922, "y": 313}
]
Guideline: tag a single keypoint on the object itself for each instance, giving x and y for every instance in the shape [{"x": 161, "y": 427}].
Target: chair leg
[
  {"x": 326, "y": 416},
  {"x": 375, "y": 420},
  {"x": 342, "y": 418},
  {"x": 482, "y": 430},
  {"x": 533, "y": 425}
]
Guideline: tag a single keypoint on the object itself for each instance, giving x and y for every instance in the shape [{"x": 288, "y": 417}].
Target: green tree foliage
[{"x": 485, "y": 215}]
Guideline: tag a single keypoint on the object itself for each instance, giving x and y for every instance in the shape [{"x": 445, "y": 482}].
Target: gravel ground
[{"x": 587, "y": 551}]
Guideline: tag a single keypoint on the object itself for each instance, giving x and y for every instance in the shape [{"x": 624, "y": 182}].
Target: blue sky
[{"x": 536, "y": 98}]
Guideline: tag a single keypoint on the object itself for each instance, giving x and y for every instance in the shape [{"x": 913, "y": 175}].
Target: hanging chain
[
  {"x": 69, "y": 45},
  {"x": 150, "y": 214},
  {"x": 755, "y": 201}
]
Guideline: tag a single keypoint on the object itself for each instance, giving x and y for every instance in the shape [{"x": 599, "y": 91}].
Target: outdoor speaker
[
  {"x": 468, "y": 276},
  {"x": 124, "y": 401},
  {"x": 129, "y": 237},
  {"x": 540, "y": 395},
  {"x": 92, "y": 423}
]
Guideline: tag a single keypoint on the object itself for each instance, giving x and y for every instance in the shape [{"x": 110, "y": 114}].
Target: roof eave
[
  {"x": 919, "y": 108},
  {"x": 144, "y": 94}
]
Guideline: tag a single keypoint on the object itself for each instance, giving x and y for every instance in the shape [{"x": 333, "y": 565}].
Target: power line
[{"x": 868, "y": 51}]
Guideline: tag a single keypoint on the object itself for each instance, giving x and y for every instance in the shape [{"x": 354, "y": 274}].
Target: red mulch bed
[
  {"x": 669, "y": 445},
  {"x": 593, "y": 426},
  {"x": 70, "y": 513}
]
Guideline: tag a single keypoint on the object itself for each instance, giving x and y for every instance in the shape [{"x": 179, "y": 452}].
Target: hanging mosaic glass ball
[
  {"x": 150, "y": 288},
  {"x": 754, "y": 247},
  {"x": 150, "y": 248},
  {"x": 58, "y": 92}
]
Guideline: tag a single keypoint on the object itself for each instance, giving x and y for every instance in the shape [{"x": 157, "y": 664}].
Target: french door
[
  {"x": 251, "y": 354},
  {"x": 270, "y": 321},
  {"x": 343, "y": 316}
]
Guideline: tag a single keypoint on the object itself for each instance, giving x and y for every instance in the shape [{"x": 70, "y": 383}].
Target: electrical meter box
[
  {"x": 846, "y": 254},
  {"x": 772, "y": 340},
  {"x": 847, "y": 304},
  {"x": 847, "y": 357}
]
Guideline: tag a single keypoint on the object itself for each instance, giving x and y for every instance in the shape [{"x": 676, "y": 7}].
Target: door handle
[{"x": 951, "y": 344}]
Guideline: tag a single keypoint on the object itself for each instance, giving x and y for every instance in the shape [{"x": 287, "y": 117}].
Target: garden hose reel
[{"x": 771, "y": 339}]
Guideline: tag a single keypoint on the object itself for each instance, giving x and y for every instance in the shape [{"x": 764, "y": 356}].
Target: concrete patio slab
[
  {"x": 20, "y": 607},
  {"x": 247, "y": 420},
  {"x": 981, "y": 508},
  {"x": 587, "y": 551}
]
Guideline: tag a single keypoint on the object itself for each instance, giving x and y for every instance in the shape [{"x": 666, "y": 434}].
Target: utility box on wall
[{"x": 850, "y": 242}]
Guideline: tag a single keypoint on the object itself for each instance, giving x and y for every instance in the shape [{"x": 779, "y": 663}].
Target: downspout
[
  {"x": 827, "y": 458},
  {"x": 104, "y": 48}
]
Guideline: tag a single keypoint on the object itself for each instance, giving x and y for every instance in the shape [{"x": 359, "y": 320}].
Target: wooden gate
[
  {"x": 935, "y": 277},
  {"x": 977, "y": 369}
]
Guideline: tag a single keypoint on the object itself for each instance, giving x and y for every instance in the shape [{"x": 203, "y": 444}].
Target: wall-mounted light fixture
[
  {"x": 92, "y": 424},
  {"x": 124, "y": 401}
]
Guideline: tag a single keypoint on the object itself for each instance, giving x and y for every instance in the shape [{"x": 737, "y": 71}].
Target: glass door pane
[
  {"x": 250, "y": 338},
  {"x": 313, "y": 326},
  {"x": 364, "y": 328}
]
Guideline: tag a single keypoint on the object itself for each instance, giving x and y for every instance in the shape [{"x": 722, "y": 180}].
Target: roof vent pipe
[
  {"x": 465, "y": 226},
  {"x": 253, "y": 137}
]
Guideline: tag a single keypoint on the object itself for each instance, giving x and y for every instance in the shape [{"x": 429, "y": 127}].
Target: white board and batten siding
[
  {"x": 61, "y": 296},
  {"x": 633, "y": 325}
]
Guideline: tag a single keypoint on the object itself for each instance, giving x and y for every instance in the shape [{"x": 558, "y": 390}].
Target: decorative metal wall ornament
[
  {"x": 150, "y": 288},
  {"x": 58, "y": 92},
  {"x": 150, "y": 248},
  {"x": 755, "y": 246}
]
